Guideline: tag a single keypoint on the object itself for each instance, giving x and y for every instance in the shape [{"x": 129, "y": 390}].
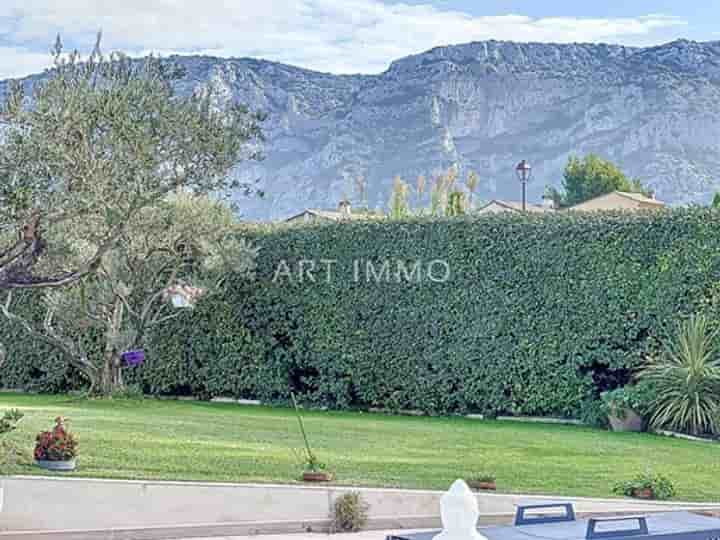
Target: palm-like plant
[{"x": 687, "y": 380}]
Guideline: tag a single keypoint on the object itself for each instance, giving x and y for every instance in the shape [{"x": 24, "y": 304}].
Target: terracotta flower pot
[
  {"x": 644, "y": 493},
  {"x": 625, "y": 420},
  {"x": 317, "y": 476},
  {"x": 482, "y": 485}
]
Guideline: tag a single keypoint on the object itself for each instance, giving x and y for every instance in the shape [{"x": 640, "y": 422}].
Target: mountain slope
[{"x": 481, "y": 106}]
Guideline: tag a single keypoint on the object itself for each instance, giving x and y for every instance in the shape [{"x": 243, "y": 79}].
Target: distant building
[
  {"x": 497, "y": 206},
  {"x": 616, "y": 200},
  {"x": 620, "y": 200},
  {"x": 343, "y": 213}
]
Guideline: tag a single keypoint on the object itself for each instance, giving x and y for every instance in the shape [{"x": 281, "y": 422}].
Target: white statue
[{"x": 459, "y": 512}]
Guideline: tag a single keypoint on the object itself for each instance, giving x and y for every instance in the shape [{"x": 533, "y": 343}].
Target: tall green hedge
[{"x": 539, "y": 314}]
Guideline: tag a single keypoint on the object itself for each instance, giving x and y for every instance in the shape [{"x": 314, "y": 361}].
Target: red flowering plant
[{"x": 56, "y": 445}]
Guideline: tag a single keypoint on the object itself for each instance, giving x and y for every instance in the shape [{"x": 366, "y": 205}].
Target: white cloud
[
  {"x": 18, "y": 62},
  {"x": 342, "y": 36}
]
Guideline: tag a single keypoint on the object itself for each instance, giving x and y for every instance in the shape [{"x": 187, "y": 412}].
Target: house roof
[
  {"x": 332, "y": 215},
  {"x": 516, "y": 206},
  {"x": 639, "y": 197},
  {"x": 636, "y": 197}
]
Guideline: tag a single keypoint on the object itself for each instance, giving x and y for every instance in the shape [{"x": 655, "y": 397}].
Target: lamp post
[{"x": 523, "y": 171}]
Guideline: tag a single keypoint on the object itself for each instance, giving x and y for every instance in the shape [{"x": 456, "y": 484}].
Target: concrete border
[
  {"x": 45, "y": 508},
  {"x": 542, "y": 420},
  {"x": 215, "y": 530},
  {"x": 677, "y": 435},
  {"x": 225, "y": 530}
]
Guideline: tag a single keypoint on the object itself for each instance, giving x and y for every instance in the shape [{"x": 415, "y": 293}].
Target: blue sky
[
  {"x": 340, "y": 36},
  {"x": 701, "y": 16}
]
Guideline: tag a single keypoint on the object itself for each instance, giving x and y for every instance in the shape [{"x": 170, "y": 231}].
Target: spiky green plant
[{"x": 687, "y": 379}]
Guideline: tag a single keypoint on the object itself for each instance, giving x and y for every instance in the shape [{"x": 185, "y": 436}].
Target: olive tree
[
  {"x": 179, "y": 251},
  {"x": 93, "y": 143}
]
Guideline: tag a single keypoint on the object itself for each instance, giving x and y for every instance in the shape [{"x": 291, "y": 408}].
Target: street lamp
[{"x": 523, "y": 171}]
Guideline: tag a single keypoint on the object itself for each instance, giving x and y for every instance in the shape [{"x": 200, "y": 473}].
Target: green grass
[{"x": 179, "y": 440}]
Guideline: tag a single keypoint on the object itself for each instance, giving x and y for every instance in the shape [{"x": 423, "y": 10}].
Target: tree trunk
[{"x": 111, "y": 379}]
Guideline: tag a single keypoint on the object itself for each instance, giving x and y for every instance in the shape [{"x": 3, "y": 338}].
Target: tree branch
[
  {"x": 9, "y": 315},
  {"x": 21, "y": 278}
]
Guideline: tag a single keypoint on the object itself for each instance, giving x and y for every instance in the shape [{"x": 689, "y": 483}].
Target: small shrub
[
  {"x": 350, "y": 513},
  {"x": 10, "y": 451},
  {"x": 483, "y": 476},
  {"x": 9, "y": 421},
  {"x": 637, "y": 397},
  {"x": 56, "y": 445},
  {"x": 661, "y": 486},
  {"x": 592, "y": 412}
]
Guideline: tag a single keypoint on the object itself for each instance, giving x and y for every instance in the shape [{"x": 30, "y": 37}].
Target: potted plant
[
  {"x": 626, "y": 407},
  {"x": 482, "y": 481},
  {"x": 647, "y": 485},
  {"x": 56, "y": 450},
  {"x": 315, "y": 470}
]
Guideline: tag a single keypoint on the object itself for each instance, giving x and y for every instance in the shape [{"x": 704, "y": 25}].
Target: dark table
[{"x": 661, "y": 526}]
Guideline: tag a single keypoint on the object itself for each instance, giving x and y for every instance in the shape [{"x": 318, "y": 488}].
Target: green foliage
[
  {"x": 661, "y": 486},
  {"x": 637, "y": 397},
  {"x": 472, "y": 181},
  {"x": 105, "y": 137},
  {"x": 399, "y": 205},
  {"x": 9, "y": 421},
  {"x": 350, "y": 513},
  {"x": 456, "y": 204},
  {"x": 442, "y": 188},
  {"x": 540, "y": 314},
  {"x": 129, "y": 392},
  {"x": 591, "y": 177},
  {"x": 437, "y": 197},
  {"x": 593, "y": 413},
  {"x": 187, "y": 243},
  {"x": 687, "y": 378},
  {"x": 10, "y": 451},
  {"x": 716, "y": 201}
]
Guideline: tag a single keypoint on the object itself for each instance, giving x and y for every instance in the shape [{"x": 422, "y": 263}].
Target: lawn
[{"x": 182, "y": 440}]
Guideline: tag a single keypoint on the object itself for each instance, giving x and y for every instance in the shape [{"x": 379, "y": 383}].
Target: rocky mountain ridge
[{"x": 480, "y": 106}]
